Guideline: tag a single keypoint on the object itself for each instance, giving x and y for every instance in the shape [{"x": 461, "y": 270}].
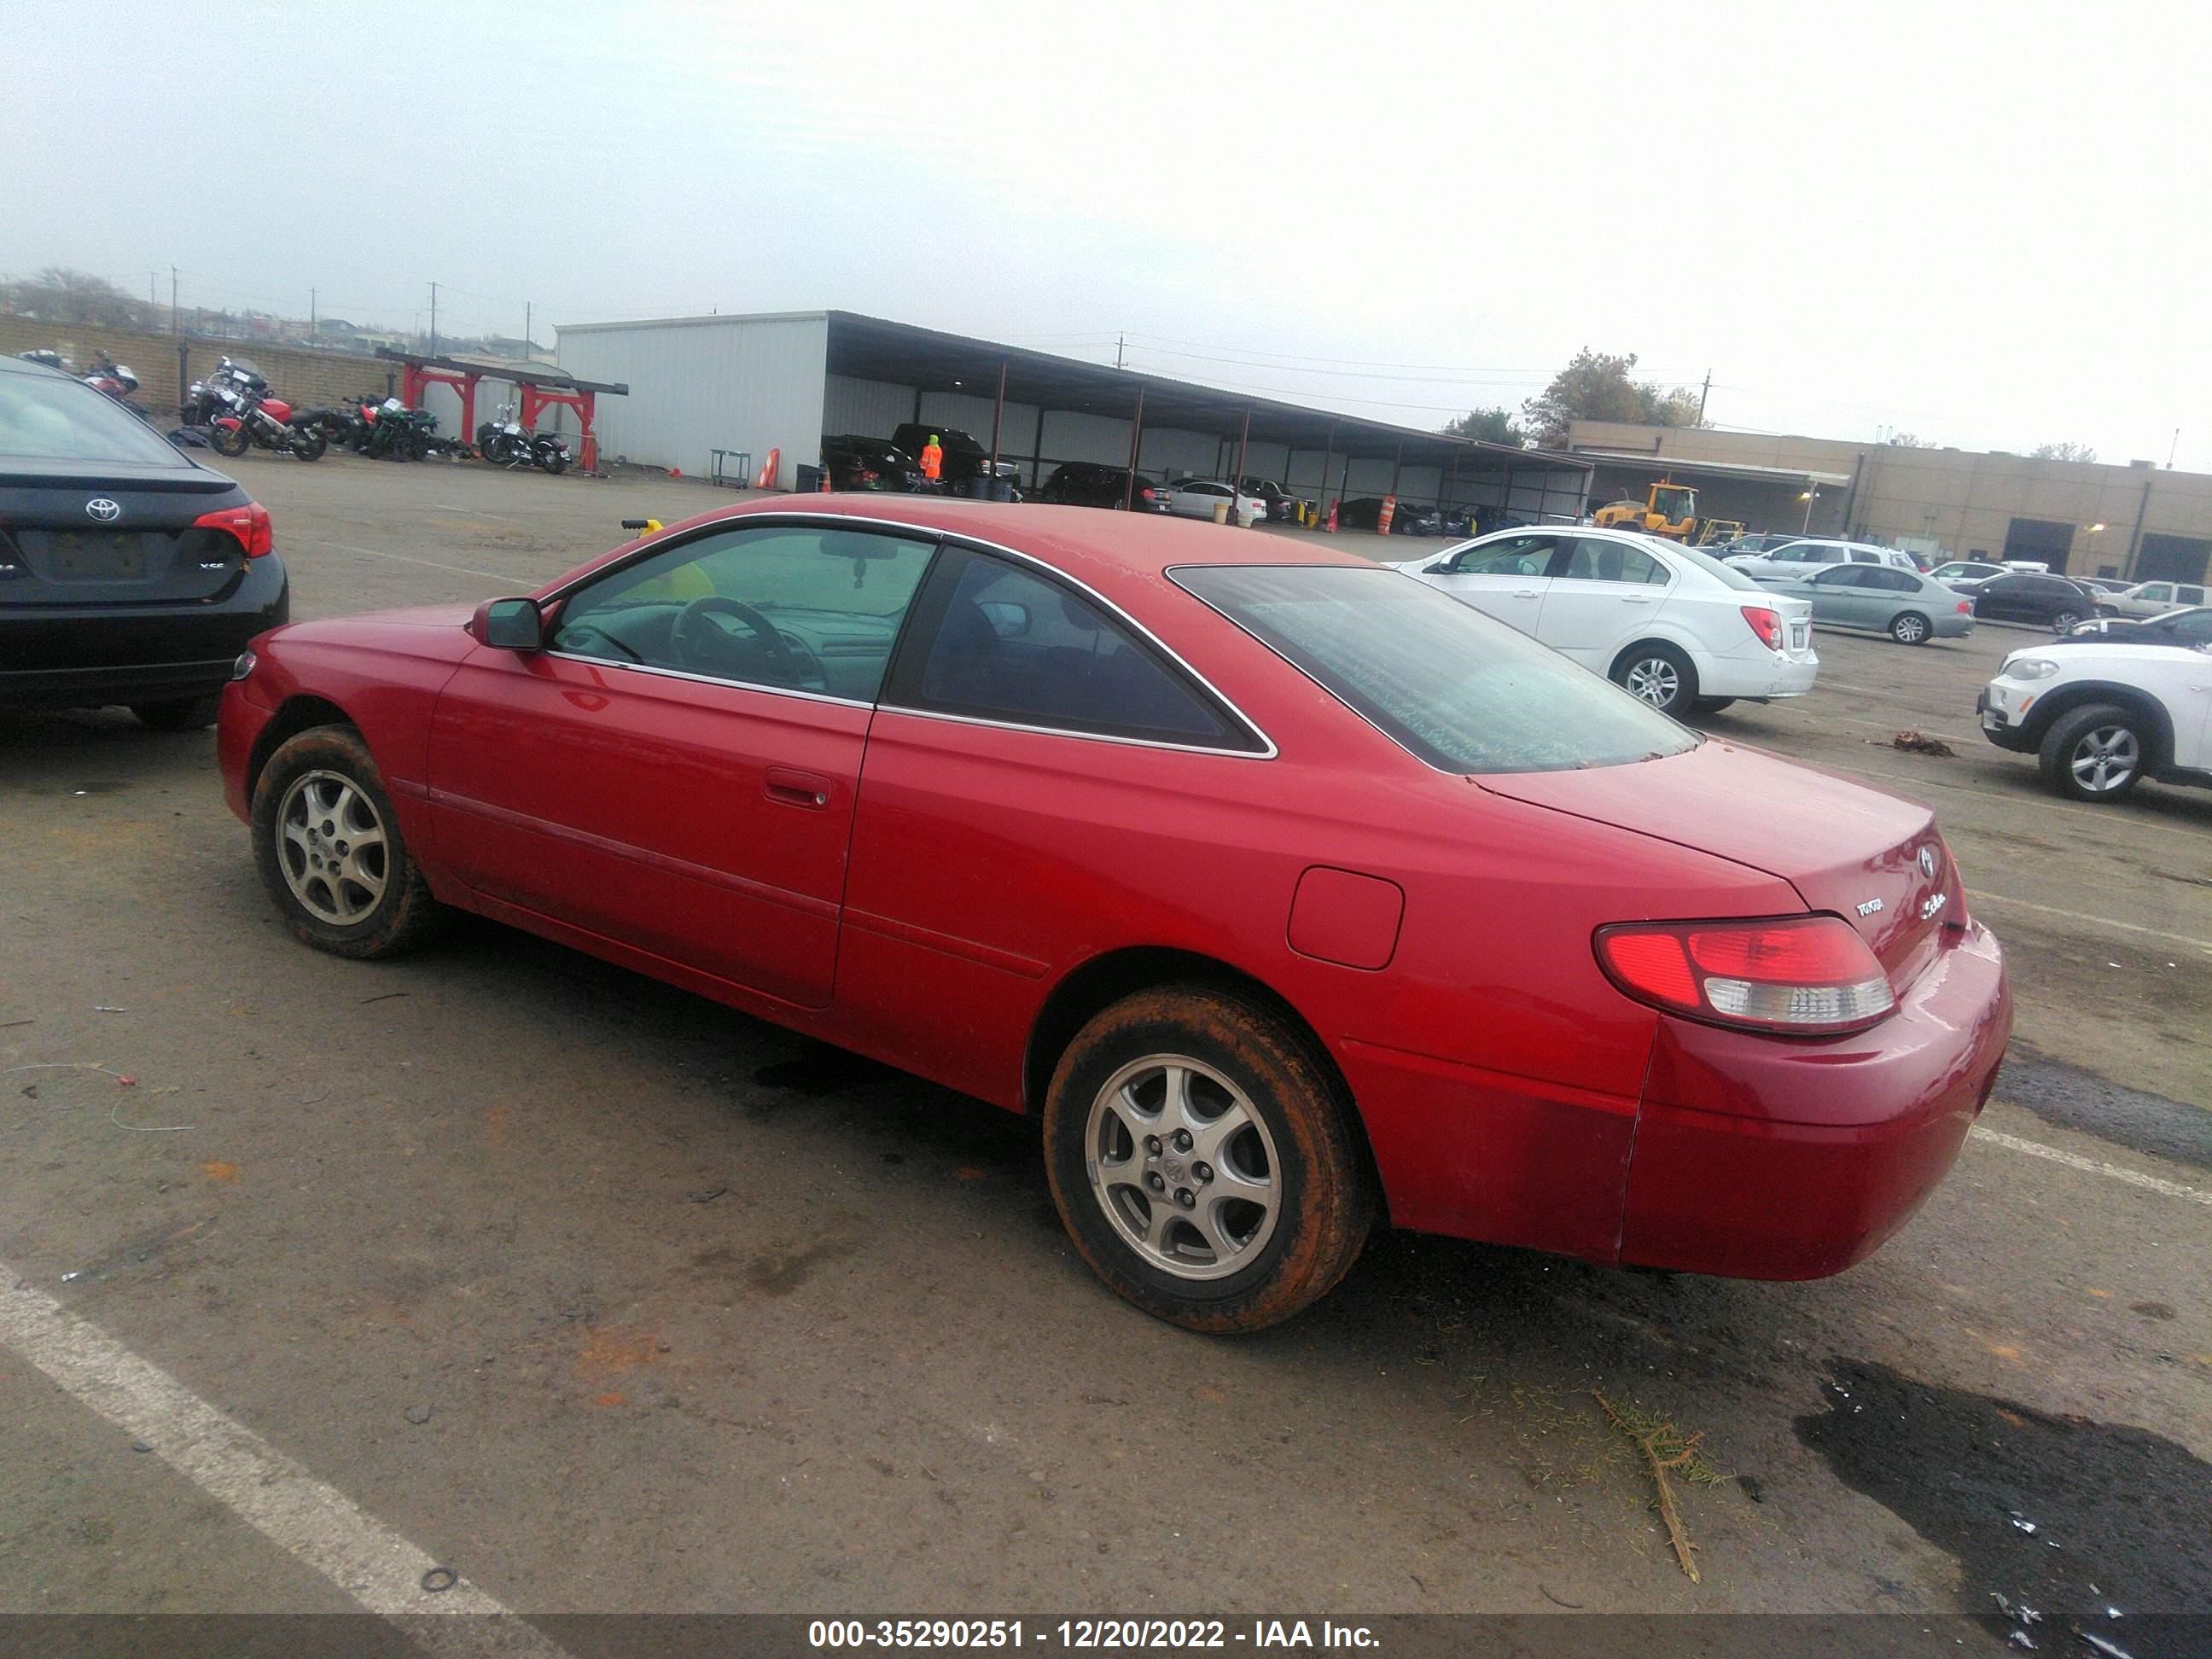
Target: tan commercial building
[{"x": 2136, "y": 522}]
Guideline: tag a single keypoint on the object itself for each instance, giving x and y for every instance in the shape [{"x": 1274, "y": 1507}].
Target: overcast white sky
[{"x": 1985, "y": 224}]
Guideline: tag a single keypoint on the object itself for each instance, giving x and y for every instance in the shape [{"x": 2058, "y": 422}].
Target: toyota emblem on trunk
[
  {"x": 1927, "y": 862},
  {"x": 103, "y": 509}
]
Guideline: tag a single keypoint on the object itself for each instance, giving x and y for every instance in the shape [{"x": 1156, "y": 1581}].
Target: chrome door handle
[
  {"x": 1524, "y": 593},
  {"x": 1636, "y": 598}
]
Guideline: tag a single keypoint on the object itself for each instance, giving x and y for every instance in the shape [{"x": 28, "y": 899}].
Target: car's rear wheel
[
  {"x": 177, "y": 713},
  {"x": 331, "y": 851},
  {"x": 1909, "y": 628},
  {"x": 1203, "y": 1159},
  {"x": 2095, "y": 754},
  {"x": 1659, "y": 674}
]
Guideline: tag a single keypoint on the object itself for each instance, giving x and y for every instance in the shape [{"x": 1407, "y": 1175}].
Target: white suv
[{"x": 2101, "y": 717}]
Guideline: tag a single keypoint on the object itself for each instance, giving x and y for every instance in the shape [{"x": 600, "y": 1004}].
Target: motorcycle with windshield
[{"x": 505, "y": 442}]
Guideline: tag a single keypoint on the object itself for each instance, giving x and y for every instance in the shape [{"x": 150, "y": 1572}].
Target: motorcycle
[
  {"x": 504, "y": 442},
  {"x": 116, "y": 382},
  {"x": 396, "y": 433},
  {"x": 254, "y": 417},
  {"x": 219, "y": 394}
]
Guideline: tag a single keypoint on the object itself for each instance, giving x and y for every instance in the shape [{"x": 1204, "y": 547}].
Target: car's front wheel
[
  {"x": 331, "y": 851},
  {"x": 1203, "y": 1160},
  {"x": 2095, "y": 754},
  {"x": 1660, "y": 675},
  {"x": 2064, "y": 621},
  {"x": 1909, "y": 628}
]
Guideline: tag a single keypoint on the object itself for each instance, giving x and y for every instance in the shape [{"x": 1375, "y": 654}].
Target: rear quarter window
[{"x": 1456, "y": 688}]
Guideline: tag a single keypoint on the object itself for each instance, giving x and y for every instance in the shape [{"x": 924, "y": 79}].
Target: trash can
[
  {"x": 809, "y": 479},
  {"x": 1221, "y": 512}
]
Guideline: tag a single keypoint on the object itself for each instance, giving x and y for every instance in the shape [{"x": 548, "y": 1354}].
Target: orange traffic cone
[{"x": 823, "y": 487}]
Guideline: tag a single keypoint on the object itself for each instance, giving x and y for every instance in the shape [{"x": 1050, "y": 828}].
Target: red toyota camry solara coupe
[{"x": 1289, "y": 893}]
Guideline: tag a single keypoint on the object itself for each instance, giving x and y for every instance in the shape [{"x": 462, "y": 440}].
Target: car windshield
[
  {"x": 48, "y": 417},
  {"x": 1460, "y": 691},
  {"x": 1727, "y": 575}
]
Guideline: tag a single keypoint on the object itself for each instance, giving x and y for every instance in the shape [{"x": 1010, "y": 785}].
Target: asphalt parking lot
[{"x": 614, "y": 1300}]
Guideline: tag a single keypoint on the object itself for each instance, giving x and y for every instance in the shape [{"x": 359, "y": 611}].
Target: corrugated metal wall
[{"x": 738, "y": 383}]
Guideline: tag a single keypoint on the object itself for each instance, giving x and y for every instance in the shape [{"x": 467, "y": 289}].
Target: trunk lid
[
  {"x": 1872, "y": 858},
  {"x": 59, "y": 546}
]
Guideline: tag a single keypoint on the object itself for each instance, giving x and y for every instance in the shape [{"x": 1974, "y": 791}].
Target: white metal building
[{"x": 752, "y": 385}]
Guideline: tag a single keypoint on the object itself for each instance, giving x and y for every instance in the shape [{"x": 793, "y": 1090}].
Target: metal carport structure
[
  {"x": 1039, "y": 410},
  {"x": 777, "y": 384}
]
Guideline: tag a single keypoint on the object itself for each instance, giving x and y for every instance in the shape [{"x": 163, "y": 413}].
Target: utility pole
[
  {"x": 153, "y": 295},
  {"x": 1120, "y": 343},
  {"x": 176, "y": 321},
  {"x": 2173, "y": 449},
  {"x": 433, "y": 320},
  {"x": 313, "y": 326},
  {"x": 527, "y": 349},
  {"x": 1704, "y": 393}
]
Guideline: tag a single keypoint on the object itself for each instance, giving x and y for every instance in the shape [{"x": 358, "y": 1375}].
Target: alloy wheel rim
[
  {"x": 332, "y": 848},
  {"x": 1909, "y": 629},
  {"x": 2105, "y": 759},
  {"x": 1656, "y": 680},
  {"x": 1184, "y": 1166}
]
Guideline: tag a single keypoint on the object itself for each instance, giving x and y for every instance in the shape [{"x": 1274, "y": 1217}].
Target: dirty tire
[
  {"x": 1910, "y": 627},
  {"x": 1324, "y": 1202},
  {"x": 2096, "y": 753},
  {"x": 403, "y": 916},
  {"x": 1657, "y": 673},
  {"x": 177, "y": 713}
]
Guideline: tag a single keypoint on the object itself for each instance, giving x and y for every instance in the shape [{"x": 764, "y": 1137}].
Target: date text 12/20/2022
[{"x": 1086, "y": 1635}]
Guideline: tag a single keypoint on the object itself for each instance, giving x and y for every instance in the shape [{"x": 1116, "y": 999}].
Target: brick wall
[{"x": 299, "y": 376}]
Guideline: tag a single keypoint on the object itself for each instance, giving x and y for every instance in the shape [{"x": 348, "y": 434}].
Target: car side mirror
[
  {"x": 1441, "y": 568},
  {"x": 510, "y": 624}
]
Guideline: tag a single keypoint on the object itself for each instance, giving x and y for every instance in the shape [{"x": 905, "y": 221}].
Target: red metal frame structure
[{"x": 541, "y": 389}]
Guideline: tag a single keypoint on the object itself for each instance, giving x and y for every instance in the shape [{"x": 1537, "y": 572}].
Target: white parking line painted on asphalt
[
  {"x": 272, "y": 1492},
  {"x": 457, "y": 569},
  {"x": 1982, "y": 898},
  {"x": 473, "y": 513},
  {"x": 2091, "y": 1166}
]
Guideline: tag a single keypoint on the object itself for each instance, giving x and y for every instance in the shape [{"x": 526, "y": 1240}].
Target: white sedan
[
  {"x": 1676, "y": 627},
  {"x": 1196, "y": 498}
]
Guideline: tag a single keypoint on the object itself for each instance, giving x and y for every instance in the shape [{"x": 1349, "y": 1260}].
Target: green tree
[
  {"x": 2061, "y": 452},
  {"x": 1489, "y": 426},
  {"x": 1599, "y": 387}
]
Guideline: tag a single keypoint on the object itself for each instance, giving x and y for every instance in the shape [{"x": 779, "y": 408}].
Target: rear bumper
[
  {"x": 1766, "y": 675},
  {"x": 83, "y": 656},
  {"x": 1759, "y": 1157}
]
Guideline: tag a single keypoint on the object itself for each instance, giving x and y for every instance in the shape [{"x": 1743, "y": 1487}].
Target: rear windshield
[
  {"x": 44, "y": 417},
  {"x": 1462, "y": 692},
  {"x": 1727, "y": 575}
]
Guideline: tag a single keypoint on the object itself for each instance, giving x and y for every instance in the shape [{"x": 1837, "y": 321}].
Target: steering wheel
[{"x": 697, "y": 642}]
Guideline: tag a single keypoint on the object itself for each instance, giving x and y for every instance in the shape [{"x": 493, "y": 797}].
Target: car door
[
  {"x": 1504, "y": 578},
  {"x": 1033, "y": 753},
  {"x": 675, "y": 769},
  {"x": 1603, "y": 596},
  {"x": 2002, "y": 598},
  {"x": 1840, "y": 597}
]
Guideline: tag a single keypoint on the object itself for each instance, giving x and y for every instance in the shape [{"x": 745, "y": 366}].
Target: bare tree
[
  {"x": 61, "y": 294},
  {"x": 2061, "y": 452}
]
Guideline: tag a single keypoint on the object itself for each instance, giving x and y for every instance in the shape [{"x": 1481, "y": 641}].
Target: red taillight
[
  {"x": 1764, "y": 624},
  {"x": 1145, "y": 493},
  {"x": 1966, "y": 607},
  {"x": 250, "y": 523},
  {"x": 1803, "y": 974}
]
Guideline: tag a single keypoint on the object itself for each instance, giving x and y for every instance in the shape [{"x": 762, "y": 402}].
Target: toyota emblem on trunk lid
[{"x": 103, "y": 509}]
